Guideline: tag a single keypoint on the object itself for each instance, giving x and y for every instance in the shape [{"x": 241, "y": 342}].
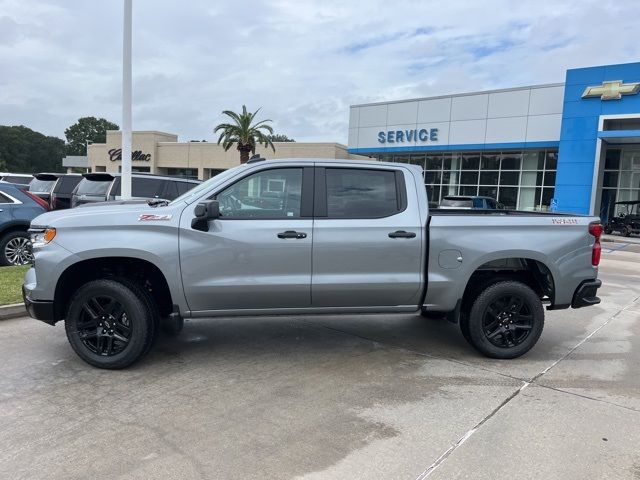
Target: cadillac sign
[{"x": 115, "y": 154}]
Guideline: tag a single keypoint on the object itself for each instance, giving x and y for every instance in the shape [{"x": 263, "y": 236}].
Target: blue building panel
[
  {"x": 579, "y": 131},
  {"x": 579, "y": 128},
  {"x": 588, "y": 75}
]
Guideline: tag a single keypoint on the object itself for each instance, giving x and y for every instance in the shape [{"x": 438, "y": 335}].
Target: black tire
[
  {"x": 15, "y": 249},
  {"x": 505, "y": 320},
  {"x": 607, "y": 230},
  {"x": 626, "y": 232},
  {"x": 123, "y": 318}
]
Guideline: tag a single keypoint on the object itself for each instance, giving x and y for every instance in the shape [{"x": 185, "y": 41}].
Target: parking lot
[{"x": 334, "y": 397}]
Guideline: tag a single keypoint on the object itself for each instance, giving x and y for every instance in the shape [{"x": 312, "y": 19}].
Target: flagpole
[{"x": 126, "y": 101}]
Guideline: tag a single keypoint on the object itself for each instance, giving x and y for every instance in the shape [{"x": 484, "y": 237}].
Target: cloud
[{"x": 303, "y": 62}]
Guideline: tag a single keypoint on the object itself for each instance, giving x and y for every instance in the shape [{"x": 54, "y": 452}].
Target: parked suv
[
  {"x": 102, "y": 187},
  {"x": 63, "y": 189},
  {"x": 16, "y": 178},
  {"x": 17, "y": 208},
  {"x": 42, "y": 184},
  {"x": 470, "y": 202}
]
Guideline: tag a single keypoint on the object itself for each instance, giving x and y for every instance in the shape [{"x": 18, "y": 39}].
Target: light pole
[{"x": 126, "y": 102}]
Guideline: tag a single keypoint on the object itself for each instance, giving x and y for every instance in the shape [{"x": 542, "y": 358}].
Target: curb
[{"x": 12, "y": 311}]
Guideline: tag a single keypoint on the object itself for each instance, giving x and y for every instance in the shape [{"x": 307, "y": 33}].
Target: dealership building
[
  {"x": 161, "y": 153},
  {"x": 572, "y": 146}
]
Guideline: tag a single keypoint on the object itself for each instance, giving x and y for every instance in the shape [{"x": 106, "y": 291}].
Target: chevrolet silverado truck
[{"x": 305, "y": 237}]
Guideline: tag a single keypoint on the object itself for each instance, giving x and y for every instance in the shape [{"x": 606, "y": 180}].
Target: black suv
[{"x": 102, "y": 187}]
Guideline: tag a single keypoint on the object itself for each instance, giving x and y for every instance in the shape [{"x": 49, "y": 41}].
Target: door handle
[
  {"x": 401, "y": 234},
  {"x": 292, "y": 234}
]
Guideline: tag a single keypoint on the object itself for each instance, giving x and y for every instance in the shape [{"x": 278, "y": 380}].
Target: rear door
[{"x": 368, "y": 238}]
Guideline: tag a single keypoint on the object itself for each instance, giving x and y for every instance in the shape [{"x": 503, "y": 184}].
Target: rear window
[
  {"x": 93, "y": 187},
  {"x": 66, "y": 184},
  {"x": 184, "y": 187},
  {"x": 456, "y": 202},
  {"x": 140, "y": 187},
  {"x": 41, "y": 185},
  {"x": 15, "y": 179},
  {"x": 358, "y": 193}
]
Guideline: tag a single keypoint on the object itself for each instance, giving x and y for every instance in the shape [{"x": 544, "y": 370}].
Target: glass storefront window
[
  {"x": 510, "y": 178},
  {"x": 434, "y": 162},
  {"x": 511, "y": 161},
  {"x": 612, "y": 159},
  {"x": 469, "y": 178},
  {"x": 490, "y": 161},
  {"x": 550, "y": 179},
  {"x": 431, "y": 176},
  {"x": 552, "y": 161},
  {"x": 508, "y": 196},
  {"x": 489, "y": 178},
  {"x": 471, "y": 161},
  {"x": 515, "y": 178},
  {"x": 417, "y": 160}
]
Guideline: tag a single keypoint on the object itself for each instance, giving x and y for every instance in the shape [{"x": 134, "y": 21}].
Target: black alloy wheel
[
  {"x": 104, "y": 326},
  {"x": 111, "y": 323},
  {"x": 505, "y": 320}
]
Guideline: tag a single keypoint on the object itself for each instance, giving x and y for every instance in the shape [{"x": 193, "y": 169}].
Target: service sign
[{"x": 417, "y": 135}]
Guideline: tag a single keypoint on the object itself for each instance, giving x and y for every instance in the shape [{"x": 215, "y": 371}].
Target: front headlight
[{"x": 41, "y": 236}]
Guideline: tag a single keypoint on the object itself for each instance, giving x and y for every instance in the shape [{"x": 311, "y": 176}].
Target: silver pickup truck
[{"x": 303, "y": 237}]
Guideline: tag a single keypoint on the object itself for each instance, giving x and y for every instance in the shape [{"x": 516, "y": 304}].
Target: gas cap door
[{"x": 450, "y": 259}]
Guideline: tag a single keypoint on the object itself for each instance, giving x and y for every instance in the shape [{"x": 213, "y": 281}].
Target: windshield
[
  {"x": 93, "y": 187},
  {"x": 204, "y": 186},
  {"x": 41, "y": 185},
  {"x": 456, "y": 202}
]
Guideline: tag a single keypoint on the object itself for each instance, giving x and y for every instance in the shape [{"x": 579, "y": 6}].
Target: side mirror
[{"x": 205, "y": 211}]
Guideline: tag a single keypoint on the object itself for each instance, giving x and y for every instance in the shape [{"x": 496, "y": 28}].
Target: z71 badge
[{"x": 150, "y": 217}]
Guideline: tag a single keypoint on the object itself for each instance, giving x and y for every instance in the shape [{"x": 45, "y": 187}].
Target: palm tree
[{"x": 244, "y": 133}]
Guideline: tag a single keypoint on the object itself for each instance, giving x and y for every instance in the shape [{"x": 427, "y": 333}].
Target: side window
[
  {"x": 359, "y": 193},
  {"x": 170, "y": 190},
  {"x": 4, "y": 198},
  {"x": 145, "y": 187},
  {"x": 184, "y": 187},
  {"x": 273, "y": 193}
]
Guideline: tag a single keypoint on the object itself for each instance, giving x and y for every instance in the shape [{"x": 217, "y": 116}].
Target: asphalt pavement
[{"x": 336, "y": 397}]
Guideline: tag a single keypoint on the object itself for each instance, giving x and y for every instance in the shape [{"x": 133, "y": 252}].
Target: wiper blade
[{"x": 157, "y": 202}]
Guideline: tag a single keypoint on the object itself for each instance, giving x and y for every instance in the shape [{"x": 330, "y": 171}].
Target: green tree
[
  {"x": 87, "y": 129},
  {"x": 244, "y": 133},
  {"x": 23, "y": 150},
  {"x": 278, "y": 137}
]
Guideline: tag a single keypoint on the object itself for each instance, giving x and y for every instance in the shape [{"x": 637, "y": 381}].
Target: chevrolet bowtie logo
[{"x": 612, "y": 90}]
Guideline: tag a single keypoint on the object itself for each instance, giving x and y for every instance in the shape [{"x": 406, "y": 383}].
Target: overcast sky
[{"x": 303, "y": 62}]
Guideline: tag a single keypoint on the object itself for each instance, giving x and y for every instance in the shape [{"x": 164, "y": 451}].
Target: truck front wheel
[
  {"x": 505, "y": 320},
  {"x": 110, "y": 324}
]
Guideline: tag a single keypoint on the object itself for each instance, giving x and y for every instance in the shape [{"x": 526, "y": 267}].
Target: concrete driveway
[{"x": 334, "y": 398}]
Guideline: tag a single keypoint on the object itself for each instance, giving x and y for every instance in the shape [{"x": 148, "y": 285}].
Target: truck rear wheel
[
  {"x": 110, "y": 324},
  {"x": 505, "y": 320}
]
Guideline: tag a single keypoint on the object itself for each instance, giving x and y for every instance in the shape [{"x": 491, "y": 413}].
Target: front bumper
[
  {"x": 585, "y": 294},
  {"x": 39, "y": 309}
]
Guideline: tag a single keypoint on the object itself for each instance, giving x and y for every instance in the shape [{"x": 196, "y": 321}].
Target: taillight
[
  {"x": 38, "y": 200},
  {"x": 596, "y": 230}
]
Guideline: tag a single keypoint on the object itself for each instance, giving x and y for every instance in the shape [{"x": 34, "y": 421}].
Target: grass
[{"x": 11, "y": 284}]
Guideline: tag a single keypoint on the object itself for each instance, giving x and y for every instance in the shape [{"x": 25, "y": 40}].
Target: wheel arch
[
  {"x": 142, "y": 272},
  {"x": 533, "y": 272}
]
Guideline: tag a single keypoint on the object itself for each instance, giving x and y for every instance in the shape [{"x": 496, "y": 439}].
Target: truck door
[
  {"x": 368, "y": 238},
  {"x": 257, "y": 255}
]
